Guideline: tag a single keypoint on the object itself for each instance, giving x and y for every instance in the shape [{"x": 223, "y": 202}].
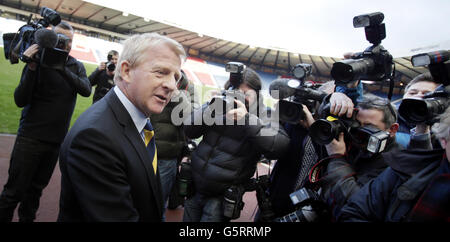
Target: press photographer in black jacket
[
  {"x": 48, "y": 97},
  {"x": 228, "y": 154},
  {"x": 103, "y": 76}
]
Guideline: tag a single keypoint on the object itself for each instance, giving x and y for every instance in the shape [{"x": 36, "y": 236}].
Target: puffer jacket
[
  {"x": 169, "y": 137},
  {"x": 228, "y": 154}
]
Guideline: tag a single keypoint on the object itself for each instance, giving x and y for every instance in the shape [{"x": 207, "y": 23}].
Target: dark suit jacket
[{"x": 106, "y": 172}]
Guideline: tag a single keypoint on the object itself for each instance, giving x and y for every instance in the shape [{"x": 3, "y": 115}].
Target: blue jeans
[
  {"x": 30, "y": 169},
  {"x": 167, "y": 172},
  {"x": 200, "y": 208}
]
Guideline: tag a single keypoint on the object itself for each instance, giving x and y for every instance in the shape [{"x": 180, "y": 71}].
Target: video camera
[
  {"x": 51, "y": 53},
  {"x": 426, "y": 110},
  {"x": 224, "y": 102},
  {"x": 375, "y": 63},
  {"x": 297, "y": 93}
]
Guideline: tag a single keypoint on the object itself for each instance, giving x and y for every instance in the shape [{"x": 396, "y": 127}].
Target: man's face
[
  {"x": 372, "y": 117},
  {"x": 114, "y": 59},
  {"x": 419, "y": 89},
  {"x": 149, "y": 84},
  {"x": 67, "y": 33}
]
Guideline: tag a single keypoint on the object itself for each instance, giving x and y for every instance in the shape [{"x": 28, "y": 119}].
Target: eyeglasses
[{"x": 380, "y": 102}]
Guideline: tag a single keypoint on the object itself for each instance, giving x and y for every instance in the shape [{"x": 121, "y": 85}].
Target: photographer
[
  {"x": 48, "y": 98},
  {"x": 290, "y": 172},
  {"x": 103, "y": 76},
  {"x": 227, "y": 154},
  {"x": 415, "y": 187},
  {"x": 350, "y": 165},
  {"x": 416, "y": 88}
]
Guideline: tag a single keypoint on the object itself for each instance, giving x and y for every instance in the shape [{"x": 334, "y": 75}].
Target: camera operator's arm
[
  {"x": 78, "y": 80},
  {"x": 268, "y": 135},
  {"x": 309, "y": 120},
  {"x": 371, "y": 202},
  {"x": 24, "y": 91},
  {"x": 341, "y": 183},
  {"x": 420, "y": 138},
  {"x": 93, "y": 77},
  {"x": 353, "y": 90}
]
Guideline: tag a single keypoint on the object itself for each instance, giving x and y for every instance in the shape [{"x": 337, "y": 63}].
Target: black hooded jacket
[{"x": 228, "y": 154}]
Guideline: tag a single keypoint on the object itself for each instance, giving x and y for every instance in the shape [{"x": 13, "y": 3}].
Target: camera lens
[
  {"x": 290, "y": 112},
  {"x": 323, "y": 131},
  {"x": 352, "y": 70},
  {"x": 111, "y": 67},
  {"x": 417, "y": 111}
]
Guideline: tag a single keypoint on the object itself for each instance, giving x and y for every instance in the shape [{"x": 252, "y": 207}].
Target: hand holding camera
[
  {"x": 29, "y": 53},
  {"x": 238, "y": 113}
]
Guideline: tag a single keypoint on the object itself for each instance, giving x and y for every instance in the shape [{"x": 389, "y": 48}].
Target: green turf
[{"x": 9, "y": 79}]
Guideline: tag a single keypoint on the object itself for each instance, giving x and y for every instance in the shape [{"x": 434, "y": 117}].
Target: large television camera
[
  {"x": 224, "y": 102},
  {"x": 375, "y": 63},
  {"x": 51, "y": 52},
  {"x": 426, "y": 110},
  {"x": 293, "y": 93}
]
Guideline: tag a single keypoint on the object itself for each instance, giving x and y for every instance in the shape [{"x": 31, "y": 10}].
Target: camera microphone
[
  {"x": 285, "y": 87},
  {"x": 45, "y": 38}
]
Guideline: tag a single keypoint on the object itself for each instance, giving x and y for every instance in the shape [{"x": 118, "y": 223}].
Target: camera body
[
  {"x": 324, "y": 130},
  {"x": 16, "y": 43},
  {"x": 297, "y": 93},
  {"x": 110, "y": 66},
  {"x": 233, "y": 203},
  {"x": 310, "y": 207},
  {"x": 375, "y": 63},
  {"x": 224, "y": 102},
  {"x": 426, "y": 110}
]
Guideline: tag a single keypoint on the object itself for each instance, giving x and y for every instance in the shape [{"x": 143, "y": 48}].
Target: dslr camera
[
  {"x": 375, "y": 63},
  {"x": 51, "y": 53},
  {"x": 233, "y": 203},
  {"x": 426, "y": 110},
  {"x": 369, "y": 138},
  {"x": 310, "y": 207},
  {"x": 295, "y": 92},
  {"x": 224, "y": 102}
]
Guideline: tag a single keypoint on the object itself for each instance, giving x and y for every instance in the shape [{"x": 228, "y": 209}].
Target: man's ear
[
  {"x": 393, "y": 129},
  {"x": 125, "y": 69}
]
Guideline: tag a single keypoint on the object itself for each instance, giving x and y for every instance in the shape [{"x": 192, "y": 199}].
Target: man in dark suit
[{"x": 108, "y": 163}]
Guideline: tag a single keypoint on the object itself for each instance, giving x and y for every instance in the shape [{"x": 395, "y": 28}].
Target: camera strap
[
  {"x": 316, "y": 174},
  {"x": 391, "y": 82}
]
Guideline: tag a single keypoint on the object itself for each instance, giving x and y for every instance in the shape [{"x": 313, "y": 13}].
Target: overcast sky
[{"x": 317, "y": 27}]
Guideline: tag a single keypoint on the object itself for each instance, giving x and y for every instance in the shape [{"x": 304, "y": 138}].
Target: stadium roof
[{"x": 118, "y": 25}]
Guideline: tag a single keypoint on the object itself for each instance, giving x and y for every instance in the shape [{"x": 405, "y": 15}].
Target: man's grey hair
[
  {"x": 442, "y": 129},
  {"x": 134, "y": 49},
  {"x": 369, "y": 102}
]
